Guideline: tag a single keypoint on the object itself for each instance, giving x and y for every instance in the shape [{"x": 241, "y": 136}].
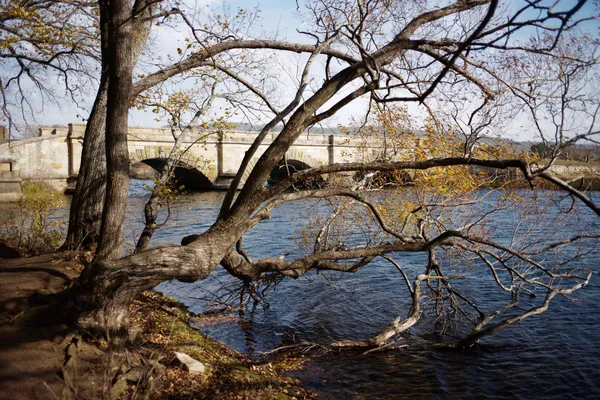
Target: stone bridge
[{"x": 211, "y": 162}]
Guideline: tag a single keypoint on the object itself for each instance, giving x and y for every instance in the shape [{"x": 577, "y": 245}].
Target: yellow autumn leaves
[{"x": 414, "y": 201}]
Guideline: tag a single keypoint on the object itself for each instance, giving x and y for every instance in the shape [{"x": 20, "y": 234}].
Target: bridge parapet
[
  {"x": 77, "y": 130},
  {"x": 142, "y": 134},
  {"x": 308, "y": 139},
  {"x": 59, "y": 131}
]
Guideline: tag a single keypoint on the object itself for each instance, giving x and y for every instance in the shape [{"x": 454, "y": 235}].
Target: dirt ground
[
  {"x": 41, "y": 360},
  {"x": 30, "y": 356}
]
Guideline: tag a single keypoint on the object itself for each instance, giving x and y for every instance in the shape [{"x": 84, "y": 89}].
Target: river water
[{"x": 554, "y": 355}]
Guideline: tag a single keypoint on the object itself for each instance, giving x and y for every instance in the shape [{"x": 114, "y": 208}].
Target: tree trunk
[
  {"x": 151, "y": 213},
  {"x": 120, "y": 62},
  {"x": 86, "y": 206},
  {"x": 88, "y": 200},
  {"x": 99, "y": 300}
]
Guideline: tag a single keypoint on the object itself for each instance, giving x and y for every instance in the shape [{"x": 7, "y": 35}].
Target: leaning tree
[
  {"x": 216, "y": 43},
  {"x": 481, "y": 53}
]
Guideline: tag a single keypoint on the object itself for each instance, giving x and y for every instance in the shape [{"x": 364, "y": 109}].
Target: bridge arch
[
  {"x": 193, "y": 173},
  {"x": 295, "y": 161}
]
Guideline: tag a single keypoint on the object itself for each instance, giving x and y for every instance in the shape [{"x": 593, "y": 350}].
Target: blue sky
[{"x": 278, "y": 18}]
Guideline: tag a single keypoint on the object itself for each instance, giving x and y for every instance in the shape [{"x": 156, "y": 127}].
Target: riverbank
[
  {"x": 582, "y": 176},
  {"x": 53, "y": 361}
]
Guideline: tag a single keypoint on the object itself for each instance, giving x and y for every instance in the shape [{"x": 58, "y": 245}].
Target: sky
[{"x": 278, "y": 18}]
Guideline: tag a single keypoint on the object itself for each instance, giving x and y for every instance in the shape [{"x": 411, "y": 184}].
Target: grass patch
[{"x": 574, "y": 163}]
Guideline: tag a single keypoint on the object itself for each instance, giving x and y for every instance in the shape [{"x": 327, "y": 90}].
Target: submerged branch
[
  {"x": 480, "y": 333},
  {"x": 398, "y": 325}
]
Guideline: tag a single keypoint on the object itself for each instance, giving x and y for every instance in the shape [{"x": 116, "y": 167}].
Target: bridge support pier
[
  {"x": 10, "y": 180},
  {"x": 10, "y": 186},
  {"x": 331, "y": 149},
  {"x": 220, "y": 154},
  {"x": 75, "y": 147}
]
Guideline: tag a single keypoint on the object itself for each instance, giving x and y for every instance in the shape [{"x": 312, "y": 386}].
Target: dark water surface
[{"x": 554, "y": 355}]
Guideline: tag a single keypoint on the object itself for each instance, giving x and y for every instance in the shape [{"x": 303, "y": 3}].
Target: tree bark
[
  {"x": 120, "y": 60},
  {"x": 151, "y": 210},
  {"x": 87, "y": 202},
  {"x": 86, "y": 206},
  {"x": 98, "y": 302},
  {"x": 89, "y": 196}
]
